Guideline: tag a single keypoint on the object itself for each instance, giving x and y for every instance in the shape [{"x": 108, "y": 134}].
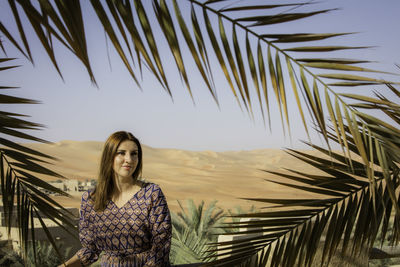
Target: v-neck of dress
[{"x": 129, "y": 200}]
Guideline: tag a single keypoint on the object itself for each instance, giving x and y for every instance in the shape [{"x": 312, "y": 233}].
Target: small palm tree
[
  {"x": 193, "y": 230},
  {"x": 45, "y": 255},
  {"x": 8, "y": 257}
]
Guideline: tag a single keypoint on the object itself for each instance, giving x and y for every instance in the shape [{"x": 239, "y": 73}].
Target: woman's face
[{"x": 126, "y": 159}]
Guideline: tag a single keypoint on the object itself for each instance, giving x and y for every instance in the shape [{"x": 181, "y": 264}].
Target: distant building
[
  {"x": 58, "y": 184},
  {"x": 88, "y": 184},
  {"x": 71, "y": 185}
]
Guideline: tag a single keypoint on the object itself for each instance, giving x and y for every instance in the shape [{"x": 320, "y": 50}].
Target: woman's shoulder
[
  {"x": 152, "y": 191},
  {"x": 87, "y": 195},
  {"x": 150, "y": 186}
]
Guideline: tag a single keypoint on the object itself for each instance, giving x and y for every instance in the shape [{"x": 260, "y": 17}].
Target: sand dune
[{"x": 205, "y": 175}]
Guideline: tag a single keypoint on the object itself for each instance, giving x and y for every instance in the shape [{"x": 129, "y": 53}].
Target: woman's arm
[
  {"x": 89, "y": 253},
  {"x": 161, "y": 230},
  {"x": 72, "y": 262}
]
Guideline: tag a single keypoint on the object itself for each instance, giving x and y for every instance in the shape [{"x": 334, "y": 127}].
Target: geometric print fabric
[{"x": 137, "y": 234}]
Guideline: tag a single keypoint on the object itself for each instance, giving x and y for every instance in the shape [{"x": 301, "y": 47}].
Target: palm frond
[
  {"x": 348, "y": 222},
  {"x": 23, "y": 191},
  {"x": 120, "y": 20}
]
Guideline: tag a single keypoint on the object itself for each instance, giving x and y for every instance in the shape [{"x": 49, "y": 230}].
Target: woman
[{"x": 125, "y": 218}]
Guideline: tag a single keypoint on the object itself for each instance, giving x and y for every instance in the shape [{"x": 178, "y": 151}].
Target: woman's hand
[{"x": 72, "y": 262}]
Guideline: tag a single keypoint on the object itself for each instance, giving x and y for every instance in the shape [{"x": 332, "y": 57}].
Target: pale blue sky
[{"x": 76, "y": 110}]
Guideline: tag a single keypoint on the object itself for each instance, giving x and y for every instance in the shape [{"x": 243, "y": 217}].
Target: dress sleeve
[
  {"x": 88, "y": 253},
  {"x": 161, "y": 230}
]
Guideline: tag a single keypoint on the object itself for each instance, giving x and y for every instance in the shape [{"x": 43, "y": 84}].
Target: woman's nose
[{"x": 128, "y": 158}]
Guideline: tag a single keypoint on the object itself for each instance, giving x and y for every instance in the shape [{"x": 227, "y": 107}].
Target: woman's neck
[{"x": 123, "y": 184}]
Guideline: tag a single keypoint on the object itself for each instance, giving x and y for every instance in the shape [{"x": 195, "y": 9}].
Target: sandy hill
[{"x": 205, "y": 175}]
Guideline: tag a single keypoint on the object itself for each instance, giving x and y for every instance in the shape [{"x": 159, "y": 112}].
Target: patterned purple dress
[{"x": 136, "y": 235}]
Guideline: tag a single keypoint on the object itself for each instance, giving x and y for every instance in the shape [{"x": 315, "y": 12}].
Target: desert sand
[{"x": 205, "y": 175}]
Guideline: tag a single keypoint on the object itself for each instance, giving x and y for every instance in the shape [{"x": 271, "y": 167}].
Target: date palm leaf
[
  {"x": 348, "y": 222},
  {"x": 23, "y": 190}
]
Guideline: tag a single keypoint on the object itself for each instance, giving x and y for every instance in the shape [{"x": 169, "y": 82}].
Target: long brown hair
[{"x": 105, "y": 183}]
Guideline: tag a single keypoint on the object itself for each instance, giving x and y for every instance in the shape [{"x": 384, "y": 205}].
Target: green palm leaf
[
  {"x": 194, "y": 228},
  {"x": 196, "y": 55},
  {"x": 70, "y": 31},
  {"x": 279, "y": 18},
  {"x": 251, "y": 7},
  {"x": 301, "y": 37}
]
